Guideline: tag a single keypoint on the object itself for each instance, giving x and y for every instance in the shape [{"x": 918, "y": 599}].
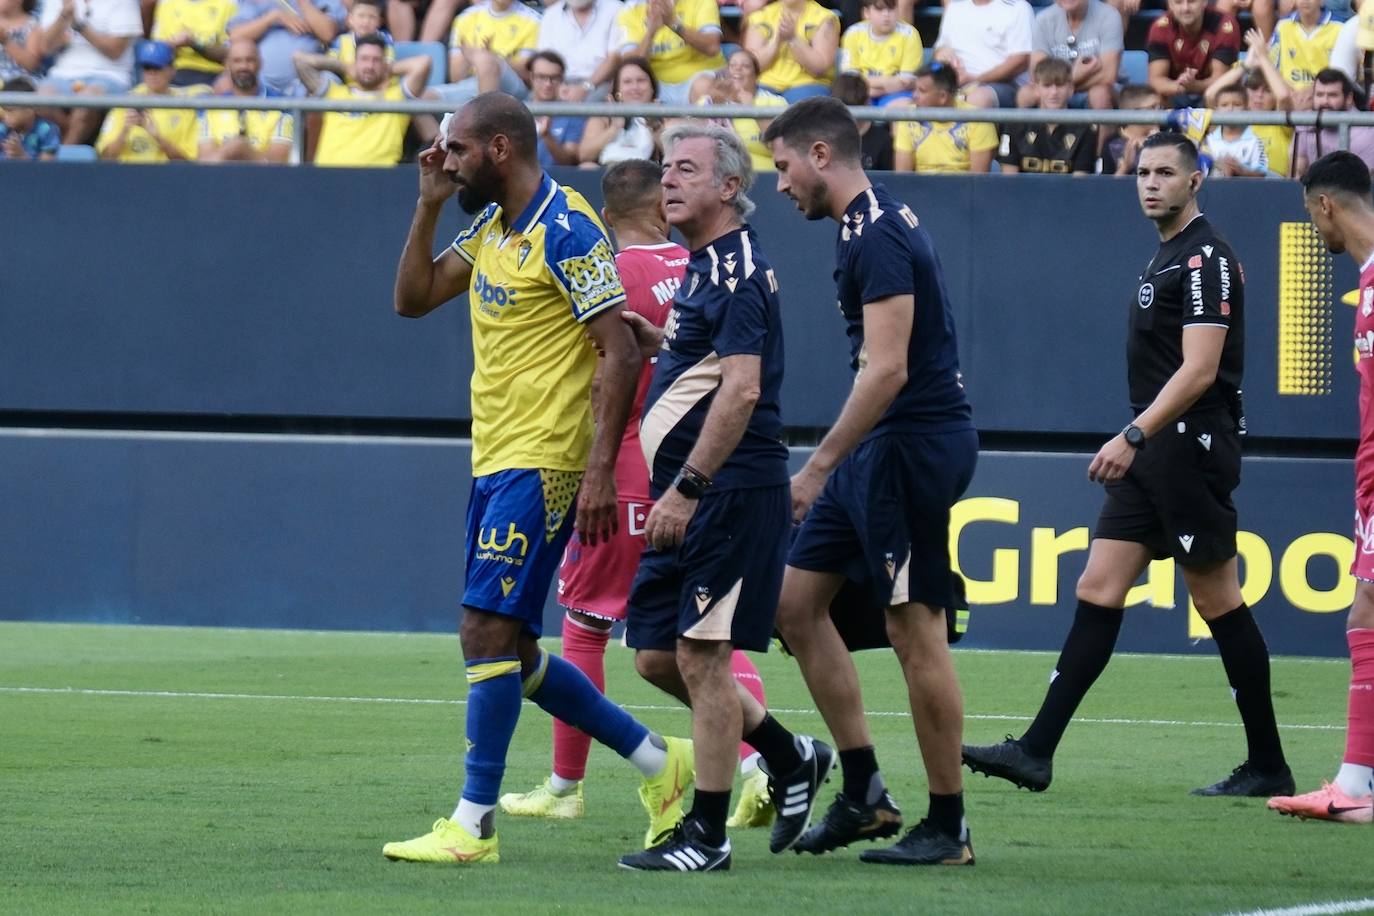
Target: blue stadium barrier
[
  {"x": 438, "y": 55},
  {"x": 76, "y": 152}
]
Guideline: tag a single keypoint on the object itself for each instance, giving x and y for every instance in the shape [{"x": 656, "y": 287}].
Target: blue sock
[
  {"x": 565, "y": 693},
  {"x": 493, "y": 709}
]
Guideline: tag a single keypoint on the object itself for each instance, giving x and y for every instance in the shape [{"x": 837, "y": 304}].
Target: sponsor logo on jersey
[
  {"x": 509, "y": 546},
  {"x": 592, "y": 277}
]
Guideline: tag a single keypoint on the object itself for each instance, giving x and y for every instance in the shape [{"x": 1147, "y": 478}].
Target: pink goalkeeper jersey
[
  {"x": 1364, "y": 347},
  {"x": 651, "y": 275}
]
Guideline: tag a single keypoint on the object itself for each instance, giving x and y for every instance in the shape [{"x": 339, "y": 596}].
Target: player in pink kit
[
  {"x": 594, "y": 580},
  {"x": 1336, "y": 191}
]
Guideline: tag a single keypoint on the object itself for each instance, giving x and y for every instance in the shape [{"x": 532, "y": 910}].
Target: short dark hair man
[
  {"x": 1332, "y": 91},
  {"x": 879, "y": 486},
  {"x": 1169, "y": 476}
]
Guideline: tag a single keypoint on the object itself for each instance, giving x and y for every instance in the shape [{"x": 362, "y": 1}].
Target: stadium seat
[
  {"x": 438, "y": 55},
  {"x": 76, "y": 153},
  {"x": 1135, "y": 67}
]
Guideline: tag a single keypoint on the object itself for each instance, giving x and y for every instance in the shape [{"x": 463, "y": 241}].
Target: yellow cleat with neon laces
[
  {"x": 543, "y": 801},
  {"x": 662, "y": 795},
  {"x": 448, "y": 843}
]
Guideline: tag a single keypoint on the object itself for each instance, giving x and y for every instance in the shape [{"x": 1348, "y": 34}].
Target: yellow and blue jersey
[
  {"x": 207, "y": 21},
  {"x": 672, "y": 58},
  {"x": 534, "y": 286},
  {"x": 785, "y": 72},
  {"x": 896, "y": 53},
  {"x": 175, "y": 124},
  {"x": 345, "y": 47},
  {"x": 362, "y": 139},
  {"x": 260, "y": 128},
  {"x": 1300, "y": 55},
  {"x": 943, "y": 146},
  {"x": 513, "y": 34}
]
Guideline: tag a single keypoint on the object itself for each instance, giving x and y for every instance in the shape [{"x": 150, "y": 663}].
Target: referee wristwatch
[
  {"x": 1135, "y": 437},
  {"x": 691, "y": 483}
]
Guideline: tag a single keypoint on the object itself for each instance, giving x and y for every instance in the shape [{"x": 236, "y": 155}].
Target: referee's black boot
[
  {"x": 1248, "y": 781},
  {"x": 924, "y": 844},
  {"x": 1010, "y": 761},
  {"x": 848, "y": 821}
]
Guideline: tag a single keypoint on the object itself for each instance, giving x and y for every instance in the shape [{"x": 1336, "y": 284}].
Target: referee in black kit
[{"x": 1169, "y": 476}]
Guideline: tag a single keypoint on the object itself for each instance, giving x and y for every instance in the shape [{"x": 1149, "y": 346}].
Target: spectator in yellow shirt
[
  {"x": 492, "y": 44},
  {"x": 245, "y": 136},
  {"x": 681, "y": 41},
  {"x": 795, "y": 43},
  {"x": 1265, "y": 90},
  {"x": 1301, "y": 46},
  {"x": 738, "y": 84},
  {"x": 358, "y": 139},
  {"x": 199, "y": 31},
  {"x": 364, "y": 18},
  {"x": 157, "y": 134},
  {"x": 942, "y": 146},
  {"x": 885, "y": 51}
]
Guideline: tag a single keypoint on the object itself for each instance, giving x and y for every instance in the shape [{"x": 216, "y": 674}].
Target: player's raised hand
[
  {"x": 1112, "y": 461},
  {"x": 435, "y": 184},
  {"x": 596, "y": 507}
]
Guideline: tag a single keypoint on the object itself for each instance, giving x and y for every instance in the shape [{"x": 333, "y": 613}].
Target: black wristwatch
[
  {"x": 1135, "y": 438},
  {"x": 691, "y": 483}
]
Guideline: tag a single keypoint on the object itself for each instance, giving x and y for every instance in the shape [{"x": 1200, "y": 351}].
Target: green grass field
[{"x": 230, "y": 771}]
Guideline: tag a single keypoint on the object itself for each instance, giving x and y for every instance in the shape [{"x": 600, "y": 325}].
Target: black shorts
[
  {"x": 723, "y": 583},
  {"x": 885, "y": 510},
  {"x": 1176, "y": 497}
]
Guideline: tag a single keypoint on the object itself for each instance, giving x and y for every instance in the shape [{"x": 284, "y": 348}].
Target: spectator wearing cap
[
  {"x": 199, "y": 31},
  {"x": 988, "y": 43},
  {"x": 1086, "y": 35},
  {"x": 25, "y": 137},
  {"x": 1190, "y": 47},
  {"x": 283, "y": 28},
  {"x": 21, "y": 42},
  {"x": 155, "y": 134},
  {"x": 356, "y": 139},
  {"x": 245, "y": 136},
  {"x": 586, "y": 35},
  {"x": 1331, "y": 91},
  {"x": 559, "y": 136},
  {"x": 92, "y": 46}
]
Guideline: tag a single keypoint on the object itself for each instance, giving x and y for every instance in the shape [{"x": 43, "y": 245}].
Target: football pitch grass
[{"x": 168, "y": 770}]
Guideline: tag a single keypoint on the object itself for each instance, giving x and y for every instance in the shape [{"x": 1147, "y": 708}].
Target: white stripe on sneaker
[
  {"x": 695, "y": 856},
  {"x": 677, "y": 859}
]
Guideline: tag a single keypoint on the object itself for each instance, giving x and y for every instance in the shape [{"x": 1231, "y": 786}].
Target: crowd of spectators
[{"x": 1229, "y": 56}]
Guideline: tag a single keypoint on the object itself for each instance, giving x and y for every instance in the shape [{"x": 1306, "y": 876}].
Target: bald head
[
  {"x": 243, "y": 64},
  {"x": 494, "y": 114}
]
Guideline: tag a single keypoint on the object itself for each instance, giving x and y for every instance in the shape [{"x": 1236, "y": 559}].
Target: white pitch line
[
  {"x": 419, "y": 701},
  {"x": 1316, "y": 909}
]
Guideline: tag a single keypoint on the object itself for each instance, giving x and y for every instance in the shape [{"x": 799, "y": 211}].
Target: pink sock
[
  {"x": 745, "y": 672},
  {"x": 1359, "y": 735},
  {"x": 584, "y": 647}
]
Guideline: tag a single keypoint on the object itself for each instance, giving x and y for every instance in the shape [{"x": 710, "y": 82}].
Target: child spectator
[
  {"x": 942, "y": 146},
  {"x": 1121, "y": 152},
  {"x": 884, "y": 51},
  {"x": 1265, "y": 90},
  {"x": 1236, "y": 151},
  {"x": 24, "y": 136},
  {"x": 364, "y": 18},
  {"x": 1302, "y": 44},
  {"x": 1056, "y": 148}
]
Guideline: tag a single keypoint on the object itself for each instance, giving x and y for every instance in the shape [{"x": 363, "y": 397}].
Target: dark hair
[
  {"x": 552, "y": 57},
  {"x": 374, "y": 39},
  {"x": 379, "y": 4},
  {"x": 1233, "y": 89},
  {"x": 1187, "y": 149},
  {"x": 943, "y": 74},
  {"x": 1254, "y": 79},
  {"x": 884, "y": 4},
  {"x": 850, "y": 88},
  {"x": 1331, "y": 75},
  {"x": 1054, "y": 71},
  {"x": 498, "y": 112},
  {"x": 818, "y": 119},
  {"x": 18, "y": 84},
  {"x": 1136, "y": 92},
  {"x": 753, "y": 60},
  {"x": 630, "y": 185},
  {"x": 633, "y": 61},
  {"x": 1341, "y": 171}
]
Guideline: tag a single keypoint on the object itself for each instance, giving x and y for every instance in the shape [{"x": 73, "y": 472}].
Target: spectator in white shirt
[
  {"x": 585, "y": 35},
  {"x": 92, "y": 43},
  {"x": 988, "y": 43},
  {"x": 1236, "y": 151}
]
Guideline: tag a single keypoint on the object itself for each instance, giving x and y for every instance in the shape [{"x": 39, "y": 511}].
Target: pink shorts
[
  {"x": 1363, "y": 567},
  {"x": 596, "y": 579}
]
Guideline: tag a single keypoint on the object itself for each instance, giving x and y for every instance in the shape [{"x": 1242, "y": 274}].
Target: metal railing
[{"x": 298, "y": 106}]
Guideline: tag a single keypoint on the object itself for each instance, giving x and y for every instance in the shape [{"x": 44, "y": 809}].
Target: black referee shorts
[{"x": 1176, "y": 498}]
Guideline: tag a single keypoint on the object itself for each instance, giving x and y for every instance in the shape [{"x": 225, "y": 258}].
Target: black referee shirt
[
  {"x": 1058, "y": 150},
  {"x": 1194, "y": 279}
]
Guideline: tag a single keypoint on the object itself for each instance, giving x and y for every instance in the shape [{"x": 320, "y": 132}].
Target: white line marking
[
  {"x": 1364, "y": 905},
  {"x": 170, "y": 435},
  {"x": 420, "y": 701}
]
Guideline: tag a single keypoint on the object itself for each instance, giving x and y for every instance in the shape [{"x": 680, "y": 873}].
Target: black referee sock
[
  {"x": 711, "y": 809},
  {"x": 946, "y": 814},
  {"x": 1246, "y": 659},
  {"x": 1087, "y": 649},
  {"x": 776, "y": 745},
  {"x": 862, "y": 781}
]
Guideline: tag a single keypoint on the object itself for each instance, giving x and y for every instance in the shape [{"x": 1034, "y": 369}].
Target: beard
[
  {"x": 245, "y": 81},
  {"x": 814, "y": 204},
  {"x": 476, "y": 194}
]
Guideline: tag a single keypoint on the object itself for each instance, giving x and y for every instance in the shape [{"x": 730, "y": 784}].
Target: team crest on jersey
[
  {"x": 703, "y": 598},
  {"x": 525, "y": 249},
  {"x": 592, "y": 277}
]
